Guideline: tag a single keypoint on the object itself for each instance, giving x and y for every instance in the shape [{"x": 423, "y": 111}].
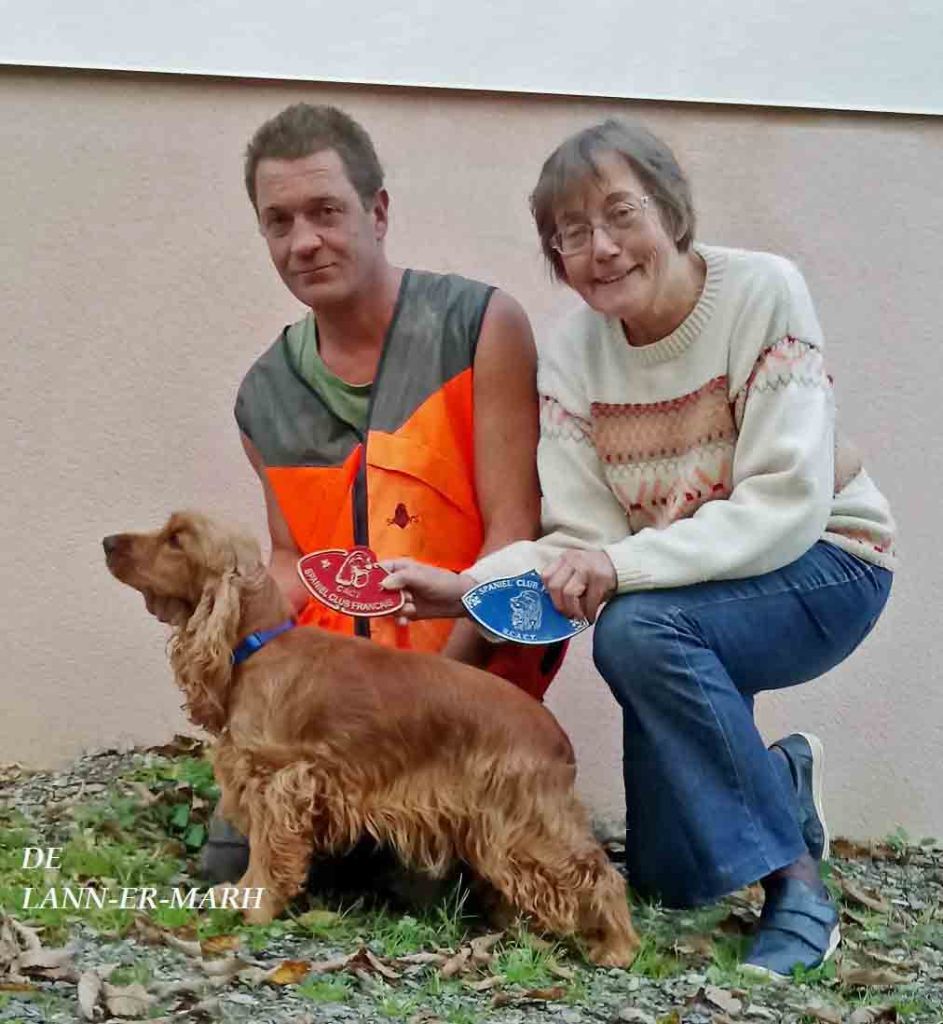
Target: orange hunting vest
[{"x": 405, "y": 485}]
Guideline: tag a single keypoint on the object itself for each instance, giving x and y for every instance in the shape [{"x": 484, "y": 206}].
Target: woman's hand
[
  {"x": 579, "y": 582},
  {"x": 430, "y": 592}
]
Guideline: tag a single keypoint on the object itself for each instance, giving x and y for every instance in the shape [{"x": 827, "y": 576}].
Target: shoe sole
[
  {"x": 764, "y": 972},
  {"x": 818, "y": 772}
]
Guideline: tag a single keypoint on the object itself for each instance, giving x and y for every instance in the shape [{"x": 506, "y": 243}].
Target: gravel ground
[{"x": 322, "y": 966}]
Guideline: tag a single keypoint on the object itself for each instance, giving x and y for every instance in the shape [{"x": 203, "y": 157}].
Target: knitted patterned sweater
[{"x": 709, "y": 454}]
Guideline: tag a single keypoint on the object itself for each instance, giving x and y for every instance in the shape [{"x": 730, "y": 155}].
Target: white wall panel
[{"x": 840, "y": 54}]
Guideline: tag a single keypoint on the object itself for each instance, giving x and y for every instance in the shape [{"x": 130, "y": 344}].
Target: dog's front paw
[
  {"x": 256, "y": 904},
  {"x": 263, "y": 909},
  {"x": 612, "y": 953}
]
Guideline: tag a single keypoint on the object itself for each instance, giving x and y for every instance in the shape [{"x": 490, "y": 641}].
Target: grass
[
  {"x": 123, "y": 840},
  {"x": 726, "y": 957},
  {"x": 397, "y": 1005},
  {"x": 147, "y": 834},
  {"x": 138, "y": 972},
  {"x": 526, "y": 961},
  {"x": 335, "y": 989}
]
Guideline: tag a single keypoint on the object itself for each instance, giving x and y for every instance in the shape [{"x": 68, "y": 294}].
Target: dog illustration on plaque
[
  {"x": 518, "y": 608},
  {"x": 526, "y": 613},
  {"x": 355, "y": 570}
]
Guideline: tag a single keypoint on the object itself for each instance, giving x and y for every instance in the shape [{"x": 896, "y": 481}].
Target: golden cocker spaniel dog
[{"x": 322, "y": 739}]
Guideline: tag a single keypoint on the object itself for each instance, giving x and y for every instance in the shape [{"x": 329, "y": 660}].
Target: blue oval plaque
[{"x": 518, "y": 608}]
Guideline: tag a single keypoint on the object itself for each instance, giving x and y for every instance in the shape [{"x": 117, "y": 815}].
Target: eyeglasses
[{"x": 618, "y": 221}]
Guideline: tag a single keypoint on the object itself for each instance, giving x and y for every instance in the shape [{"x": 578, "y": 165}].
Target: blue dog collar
[{"x": 256, "y": 641}]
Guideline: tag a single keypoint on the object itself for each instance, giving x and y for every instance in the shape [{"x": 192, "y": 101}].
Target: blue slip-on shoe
[
  {"x": 805, "y": 756},
  {"x": 798, "y": 928}
]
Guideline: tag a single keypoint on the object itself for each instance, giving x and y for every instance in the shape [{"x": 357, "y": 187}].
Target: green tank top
[{"x": 348, "y": 402}]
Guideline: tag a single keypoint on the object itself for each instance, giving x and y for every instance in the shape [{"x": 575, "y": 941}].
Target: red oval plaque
[{"x": 349, "y": 581}]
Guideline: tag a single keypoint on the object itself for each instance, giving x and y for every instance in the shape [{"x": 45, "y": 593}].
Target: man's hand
[
  {"x": 430, "y": 592},
  {"x": 579, "y": 582},
  {"x": 170, "y": 610}
]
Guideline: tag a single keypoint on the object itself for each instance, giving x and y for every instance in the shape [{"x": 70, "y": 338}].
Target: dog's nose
[{"x": 110, "y": 543}]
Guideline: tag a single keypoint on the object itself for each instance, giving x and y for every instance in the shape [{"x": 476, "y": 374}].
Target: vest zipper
[{"x": 359, "y": 504}]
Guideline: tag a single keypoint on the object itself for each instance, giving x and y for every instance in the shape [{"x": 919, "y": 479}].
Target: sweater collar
[{"x": 681, "y": 338}]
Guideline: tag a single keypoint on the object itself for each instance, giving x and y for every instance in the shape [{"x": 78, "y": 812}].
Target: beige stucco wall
[{"x": 136, "y": 292}]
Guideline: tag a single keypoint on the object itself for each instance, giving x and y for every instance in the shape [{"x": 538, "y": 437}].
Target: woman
[{"x": 693, "y": 484}]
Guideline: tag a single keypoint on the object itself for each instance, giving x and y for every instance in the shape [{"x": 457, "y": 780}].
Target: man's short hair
[{"x": 304, "y": 129}]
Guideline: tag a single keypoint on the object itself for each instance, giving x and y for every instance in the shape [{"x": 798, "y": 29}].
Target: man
[{"x": 400, "y": 412}]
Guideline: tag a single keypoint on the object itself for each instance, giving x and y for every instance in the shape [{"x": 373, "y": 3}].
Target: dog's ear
[
  {"x": 247, "y": 555},
  {"x": 201, "y": 651}
]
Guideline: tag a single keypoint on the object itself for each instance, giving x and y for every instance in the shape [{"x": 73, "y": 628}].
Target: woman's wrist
[{"x": 463, "y": 583}]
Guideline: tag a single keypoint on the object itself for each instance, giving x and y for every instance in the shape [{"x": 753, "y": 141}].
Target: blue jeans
[{"x": 708, "y": 808}]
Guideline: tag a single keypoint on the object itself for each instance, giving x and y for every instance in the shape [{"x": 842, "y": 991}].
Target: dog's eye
[{"x": 173, "y": 540}]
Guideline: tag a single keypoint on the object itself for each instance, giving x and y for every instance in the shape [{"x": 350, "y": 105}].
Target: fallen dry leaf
[
  {"x": 561, "y": 972},
  {"x": 484, "y": 984},
  {"x": 481, "y": 947},
  {"x": 46, "y": 959},
  {"x": 760, "y": 1011},
  {"x": 146, "y": 796},
  {"x": 128, "y": 1000},
  {"x": 380, "y": 967},
  {"x": 328, "y": 966},
  {"x": 28, "y": 937},
  {"x": 208, "y": 1006},
  {"x": 289, "y": 972},
  {"x": 367, "y": 980},
  {"x": 17, "y": 986},
  {"x": 223, "y": 967},
  {"x": 423, "y": 1017},
  {"x": 826, "y": 1014},
  {"x": 722, "y": 999},
  {"x": 848, "y": 849},
  {"x": 253, "y": 976},
  {"x": 850, "y": 914},
  {"x": 702, "y": 945},
  {"x": 89, "y": 989},
  {"x": 217, "y": 945},
  {"x": 874, "y": 1015},
  {"x": 870, "y": 900},
  {"x": 65, "y": 973},
  {"x": 545, "y": 995},
  {"x": 9, "y": 947},
  {"x": 145, "y": 930},
  {"x": 456, "y": 964},
  {"x": 188, "y": 987},
  {"x": 189, "y": 946},
  {"x": 880, "y": 958},
  {"x": 423, "y": 957},
  {"x": 738, "y": 922},
  {"x": 870, "y": 977},
  {"x": 636, "y": 1016},
  {"x": 11, "y": 771},
  {"x": 178, "y": 746}
]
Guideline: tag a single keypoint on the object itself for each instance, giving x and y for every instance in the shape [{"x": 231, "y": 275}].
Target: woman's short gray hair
[{"x": 574, "y": 160}]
